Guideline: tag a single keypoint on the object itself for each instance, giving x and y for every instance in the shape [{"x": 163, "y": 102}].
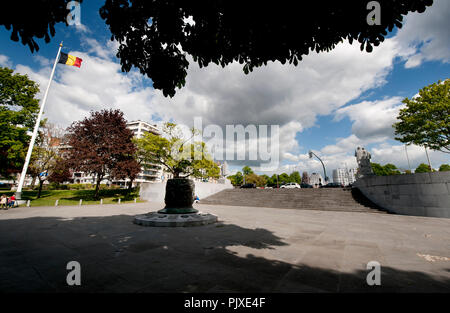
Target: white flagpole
[{"x": 36, "y": 128}]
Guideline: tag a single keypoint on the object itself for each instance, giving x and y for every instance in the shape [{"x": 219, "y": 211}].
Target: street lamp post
[{"x": 311, "y": 154}]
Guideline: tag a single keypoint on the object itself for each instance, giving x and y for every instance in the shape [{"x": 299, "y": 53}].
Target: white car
[{"x": 291, "y": 186}]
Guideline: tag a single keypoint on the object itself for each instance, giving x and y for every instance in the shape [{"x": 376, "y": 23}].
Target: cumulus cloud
[
  {"x": 276, "y": 93},
  {"x": 399, "y": 155},
  {"x": 425, "y": 36},
  {"x": 98, "y": 84},
  {"x": 372, "y": 120},
  {"x": 4, "y": 61}
]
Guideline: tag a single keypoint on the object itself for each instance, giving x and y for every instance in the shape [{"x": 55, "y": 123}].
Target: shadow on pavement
[{"x": 119, "y": 256}]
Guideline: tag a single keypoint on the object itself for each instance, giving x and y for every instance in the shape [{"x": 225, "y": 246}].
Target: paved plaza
[{"x": 251, "y": 249}]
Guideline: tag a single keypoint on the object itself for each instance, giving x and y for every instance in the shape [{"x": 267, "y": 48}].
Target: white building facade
[
  {"x": 151, "y": 172},
  {"x": 344, "y": 176},
  {"x": 315, "y": 179}
]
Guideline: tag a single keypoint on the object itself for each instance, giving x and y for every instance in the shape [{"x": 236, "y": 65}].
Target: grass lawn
[{"x": 72, "y": 197}]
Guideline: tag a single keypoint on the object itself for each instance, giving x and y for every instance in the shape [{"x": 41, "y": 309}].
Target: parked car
[
  {"x": 332, "y": 185},
  {"x": 303, "y": 185},
  {"x": 248, "y": 186},
  {"x": 291, "y": 186}
]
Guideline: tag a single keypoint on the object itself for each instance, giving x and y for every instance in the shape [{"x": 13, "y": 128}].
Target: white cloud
[
  {"x": 372, "y": 120},
  {"x": 82, "y": 28},
  {"x": 398, "y": 155},
  {"x": 276, "y": 93},
  {"x": 425, "y": 36},
  {"x": 4, "y": 61},
  {"x": 98, "y": 84}
]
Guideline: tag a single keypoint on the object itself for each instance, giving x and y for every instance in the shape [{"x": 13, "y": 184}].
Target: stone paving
[{"x": 250, "y": 249}]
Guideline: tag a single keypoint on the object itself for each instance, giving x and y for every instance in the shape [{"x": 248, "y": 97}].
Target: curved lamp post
[{"x": 311, "y": 154}]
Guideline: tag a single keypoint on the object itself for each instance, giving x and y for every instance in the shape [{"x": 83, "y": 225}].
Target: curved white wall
[{"x": 155, "y": 192}]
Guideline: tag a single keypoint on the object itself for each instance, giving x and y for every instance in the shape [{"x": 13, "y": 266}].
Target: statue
[{"x": 363, "y": 159}]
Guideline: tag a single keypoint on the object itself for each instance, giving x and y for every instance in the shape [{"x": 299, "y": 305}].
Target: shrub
[
  {"x": 444, "y": 168},
  {"x": 423, "y": 168}
]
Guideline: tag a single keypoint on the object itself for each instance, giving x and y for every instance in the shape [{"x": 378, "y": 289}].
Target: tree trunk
[
  {"x": 33, "y": 181},
  {"x": 97, "y": 186},
  {"x": 41, "y": 182},
  {"x": 130, "y": 186}
]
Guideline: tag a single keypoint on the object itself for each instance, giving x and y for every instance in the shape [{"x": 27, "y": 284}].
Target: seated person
[
  {"x": 3, "y": 201},
  {"x": 12, "y": 201}
]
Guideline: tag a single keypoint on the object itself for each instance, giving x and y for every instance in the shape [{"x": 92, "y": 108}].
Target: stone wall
[
  {"x": 420, "y": 194},
  {"x": 155, "y": 192}
]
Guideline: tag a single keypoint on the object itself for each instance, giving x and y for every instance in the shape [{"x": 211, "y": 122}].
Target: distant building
[
  {"x": 352, "y": 175},
  {"x": 152, "y": 172},
  {"x": 305, "y": 178},
  {"x": 139, "y": 128},
  {"x": 315, "y": 179},
  {"x": 340, "y": 176},
  {"x": 344, "y": 176}
]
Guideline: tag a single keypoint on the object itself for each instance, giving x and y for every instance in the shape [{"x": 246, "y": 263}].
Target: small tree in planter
[{"x": 180, "y": 155}]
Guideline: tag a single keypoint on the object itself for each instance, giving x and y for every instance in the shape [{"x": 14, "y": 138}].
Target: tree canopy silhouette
[{"x": 156, "y": 36}]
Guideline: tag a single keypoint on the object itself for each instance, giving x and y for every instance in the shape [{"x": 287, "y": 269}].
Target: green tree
[
  {"x": 272, "y": 181},
  {"x": 247, "y": 170},
  {"x": 384, "y": 170},
  {"x": 44, "y": 158},
  {"x": 391, "y": 169},
  {"x": 179, "y": 155},
  {"x": 295, "y": 177},
  {"x": 377, "y": 169},
  {"x": 423, "y": 168},
  {"x": 253, "y": 178},
  {"x": 444, "y": 168},
  {"x": 284, "y": 179},
  {"x": 236, "y": 179},
  {"x": 426, "y": 119},
  {"x": 18, "y": 112}
]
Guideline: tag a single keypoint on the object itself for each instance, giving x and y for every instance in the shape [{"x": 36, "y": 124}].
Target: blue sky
[{"x": 321, "y": 105}]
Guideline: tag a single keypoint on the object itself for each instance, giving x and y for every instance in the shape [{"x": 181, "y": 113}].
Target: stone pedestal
[
  {"x": 175, "y": 220},
  {"x": 178, "y": 212},
  {"x": 180, "y": 194}
]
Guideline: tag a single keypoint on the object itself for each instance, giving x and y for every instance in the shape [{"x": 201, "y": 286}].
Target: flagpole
[{"x": 36, "y": 128}]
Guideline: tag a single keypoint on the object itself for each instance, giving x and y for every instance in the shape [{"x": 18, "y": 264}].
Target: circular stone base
[{"x": 174, "y": 220}]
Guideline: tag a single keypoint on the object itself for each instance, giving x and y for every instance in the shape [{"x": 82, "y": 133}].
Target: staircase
[{"x": 323, "y": 199}]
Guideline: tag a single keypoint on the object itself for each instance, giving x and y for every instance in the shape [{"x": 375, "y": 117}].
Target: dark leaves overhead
[
  {"x": 33, "y": 19},
  {"x": 155, "y": 37}
]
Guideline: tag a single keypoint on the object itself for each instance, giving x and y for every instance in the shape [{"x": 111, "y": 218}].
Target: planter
[{"x": 180, "y": 193}]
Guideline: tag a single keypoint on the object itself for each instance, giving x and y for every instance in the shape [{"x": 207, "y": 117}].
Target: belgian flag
[{"x": 68, "y": 59}]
